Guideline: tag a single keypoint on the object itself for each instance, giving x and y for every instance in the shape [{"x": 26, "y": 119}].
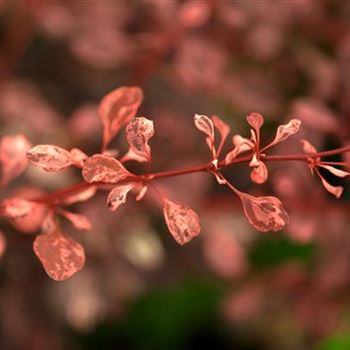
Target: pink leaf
[
  {"x": 13, "y": 208},
  {"x": 77, "y": 157},
  {"x": 259, "y": 174},
  {"x": 13, "y": 157},
  {"x": 182, "y": 221},
  {"x": 118, "y": 195},
  {"x": 59, "y": 254},
  {"x": 264, "y": 213},
  {"x": 223, "y": 128},
  {"x": 285, "y": 131},
  {"x": 138, "y": 133},
  {"x": 308, "y": 147},
  {"x": 205, "y": 124},
  {"x": 334, "y": 171},
  {"x": 334, "y": 190},
  {"x": 2, "y": 244},
  {"x": 141, "y": 193},
  {"x": 117, "y": 108},
  {"x": 100, "y": 168},
  {"x": 49, "y": 157},
  {"x": 256, "y": 121},
  {"x": 81, "y": 196},
  {"x": 241, "y": 145},
  {"x": 80, "y": 222}
]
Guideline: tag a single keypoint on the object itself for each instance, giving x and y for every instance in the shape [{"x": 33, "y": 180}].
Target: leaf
[
  {"x": 49, "y": 157},
  {"x": 60, "y": 255},
  {"x": 118, "y": 195},
  {"x": 13, "y": 157},
  {"x": 308, "y": 147},
  {"x": 80, "y": 222},
  {"x": 285, "y": 131},
  {"x": 2, "y": 244},
  {"x": 334, "y": 171},
  {"x": 77, "y": 157},
  {"x": 260, "y": 173},
  {"x": 205, "y": 124},
  {"x": 241, "y": 145},
  {"x": 183, "y": 222},
  {"x": 138, "y": 133},
  {"x": 13, "y": 208},
  {"x": 256, "y": 121},
  {"x": 81, "y": 196},
  {"x": 223, "y": 128},
  {"x": 118, "y": 108},
  {"x": 264, "y": 213},
  {"x": 141, "y": 193},
  {"x": 102, "y": 168},
  {"x": 334, "y": 190}
]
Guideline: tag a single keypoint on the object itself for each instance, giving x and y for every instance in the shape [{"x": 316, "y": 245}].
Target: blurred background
[{"x": 233, "y": 287}]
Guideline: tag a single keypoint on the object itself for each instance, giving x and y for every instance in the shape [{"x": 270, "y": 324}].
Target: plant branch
[{"x": 56, "y": 197}]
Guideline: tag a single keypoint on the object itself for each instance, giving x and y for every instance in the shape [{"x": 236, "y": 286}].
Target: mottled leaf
[
  {"x": 59, "y": 254},
  {"x": 182, "y": 221},
  {"x": 138, "y": 133},
  {"x": 264, "y": 213},
  {"x": 101, "y": 168},
  {"x": 286, "y": 130},
  {"x": 205, "y": 124},
  {"x": 241, "y": 145},
  {"x": 118, "y": 195},
  {"x": 49, "y": 157},
  {"x": 118, "y": 108},
  {"x": 13, "y": 157}
]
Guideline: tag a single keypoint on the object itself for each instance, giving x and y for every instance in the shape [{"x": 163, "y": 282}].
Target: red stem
[{"x": 57, "y": 196}]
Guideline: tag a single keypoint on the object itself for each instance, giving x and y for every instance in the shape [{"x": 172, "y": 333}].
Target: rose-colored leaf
[
  {"x": 77, "y": 157},
  {"x": 264, "y": 213},
  {"x": 241, "y": 145},
  {"x": 205, "y": 124},
  {"x": 13, "y": 157},
  {"x": 49, "y": 157},
  {"x": 80, "y": 222},
  {"x": 223, "y": 128},
  {"x": 334, "y": 190},
  {"x": 256, "y": 121},
  {"x": 81, "y": 196},
  {"x": 118, "y": 108},
  {"x": 15, "y": 207},
  {"x": 2, "y": 244},
  {"x": 138, "y": 133},
  {"x": 141, "y": 193},
  {"x": 259, "y": 174},
  {"x": 101, "y": 168},
  {"x": 182, "y": 221},
  {"x": 286, "y": 130},
  {"x": 334, "y": 171},
  {"x": 118, "y": 195},
  {"x": 308, "y": 147},
  {"x": 59, "y": 254}
]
